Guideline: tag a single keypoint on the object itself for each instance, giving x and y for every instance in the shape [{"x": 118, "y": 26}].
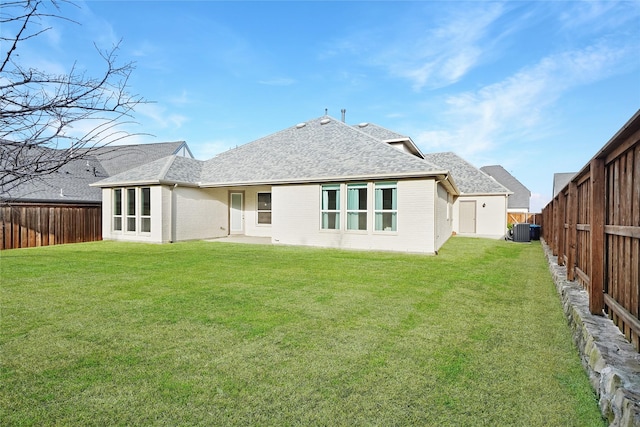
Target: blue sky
[{"x": 537, "y": 87}]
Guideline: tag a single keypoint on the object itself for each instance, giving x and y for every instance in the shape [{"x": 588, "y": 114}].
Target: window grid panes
[
  {"x": 145, "y": 215},
  {"x": 357, "y": 207},
  {"x": 117, "y": 209},
  {"x": 330, "y": 207},
  {"x": 386, "y": 206},
  {"x": 264, "y": 208},
  {"x": 131, "y": 209}
]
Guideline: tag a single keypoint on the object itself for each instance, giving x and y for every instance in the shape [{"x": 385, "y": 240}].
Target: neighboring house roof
[
  {"x": 470, "y": 180},
  {"x": 71, "y": 183},
  {"x": 320, "y": 150},
  {"x": 560, "y": 180},
  {"x": 521, "y": 195}
]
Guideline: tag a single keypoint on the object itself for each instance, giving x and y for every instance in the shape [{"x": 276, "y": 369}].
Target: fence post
[
  {"x": 597, "y": 211},
  {"x": 573, "y": 220},
  {"x": 562, "y": 209},
  {"x": 554, "y": 232}
]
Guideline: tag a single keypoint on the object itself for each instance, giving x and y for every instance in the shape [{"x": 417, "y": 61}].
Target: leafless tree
[{"x": 38, "y": 108}]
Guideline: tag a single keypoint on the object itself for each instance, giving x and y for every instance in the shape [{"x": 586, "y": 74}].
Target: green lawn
[{"x": 214, "y": 333}]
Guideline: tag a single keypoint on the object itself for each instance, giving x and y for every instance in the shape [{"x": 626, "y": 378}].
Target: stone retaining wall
[{"x": 610, "y": 360}]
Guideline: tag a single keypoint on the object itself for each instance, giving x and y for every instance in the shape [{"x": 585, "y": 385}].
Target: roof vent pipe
[{"x": 344, "y": 113}]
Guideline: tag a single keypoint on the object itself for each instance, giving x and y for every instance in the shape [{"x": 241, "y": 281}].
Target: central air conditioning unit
[{"x": 521, "y": 232}]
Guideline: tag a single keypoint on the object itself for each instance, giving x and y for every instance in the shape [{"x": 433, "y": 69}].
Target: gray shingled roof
[
  {"x": 70, "y": 184},
  {"x": 470, "y": 180},
  {"x": 378, "y": 132},
  {"x": 170, "y": 169},
  {"x": 560, "y": 180},
  {"x": 521, "y": 194},
  {"x": 320, "y": 149},
  {"x": 119, "y": 158}
]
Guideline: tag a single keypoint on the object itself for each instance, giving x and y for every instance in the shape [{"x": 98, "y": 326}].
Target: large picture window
[
  {"x": 386, "y": 206},
  {"x": 264, "y": 208},
  {"x": 357, "y": 207},
  {"x": 331, "y": 207}
]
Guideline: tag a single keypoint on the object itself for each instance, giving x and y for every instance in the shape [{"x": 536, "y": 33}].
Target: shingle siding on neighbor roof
[
  {"x": 560, "y": 180},
  {"x": 470, "y": 180},
  {"x": 71, "y": 184},
  {"x": 521, "y": 194}
]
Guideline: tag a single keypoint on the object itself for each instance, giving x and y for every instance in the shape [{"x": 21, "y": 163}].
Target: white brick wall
[{"x": 296, "y": 219}]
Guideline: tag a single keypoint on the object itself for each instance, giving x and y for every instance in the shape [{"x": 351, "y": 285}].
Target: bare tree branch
[{"x": 38, "y": 109}]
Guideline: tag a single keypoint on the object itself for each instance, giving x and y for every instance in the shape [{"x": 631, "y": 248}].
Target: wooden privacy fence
[
  {"x": 517, "y": 217},
  {"x": 25, "y": 225},
  {"x": 593, "y": 226}
]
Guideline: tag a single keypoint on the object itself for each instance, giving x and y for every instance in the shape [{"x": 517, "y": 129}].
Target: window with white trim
[
  {"x": 145, "y": 211},
  {"x": 132, "y": 210},
  {"x": 264, "y": 208},
  {"x": 386, "y": 206},
  {"x": 357, "y": 206},
  {"x": 117, "y": 209},
  {"x": 330, "y": 209}
]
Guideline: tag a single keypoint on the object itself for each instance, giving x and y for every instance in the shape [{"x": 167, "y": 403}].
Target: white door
[
  {"x": 468, "y": 217},
  {"x": 236, "y": 214}
]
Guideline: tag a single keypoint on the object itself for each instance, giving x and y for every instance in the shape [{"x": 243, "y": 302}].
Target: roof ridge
[
  {"x": 167, "y": 166},
  {"x": 384, "y": 142}
]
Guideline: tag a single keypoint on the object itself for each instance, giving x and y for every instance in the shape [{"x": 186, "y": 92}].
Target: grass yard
[{"x": 207, "y": 333}]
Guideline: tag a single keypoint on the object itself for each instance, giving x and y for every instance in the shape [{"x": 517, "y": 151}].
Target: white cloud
[
  {"x": 512, "y": 109},
  {"x": 160, "y": 117},
  {"x": 594, "y": 16},
  {"x": 442, "y": 55},
  {"x": 282, "y": 81}
]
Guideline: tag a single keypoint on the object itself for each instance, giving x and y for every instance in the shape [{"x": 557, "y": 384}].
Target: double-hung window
[
  {"x": 117, "y": 209},
  {"x": 386, "y": 206},
  {"x": 264, "y": 208},
  {"x": 131, "y": 209},
  {"x": 356, "y": 206},
  {"x": 145, "y": 214},
  {"x": 331, "y": 207}
]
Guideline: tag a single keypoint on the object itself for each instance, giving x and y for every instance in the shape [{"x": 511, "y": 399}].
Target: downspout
[
  {"x": 172, "y": 214},
  {"x": 435, "y": 211}
]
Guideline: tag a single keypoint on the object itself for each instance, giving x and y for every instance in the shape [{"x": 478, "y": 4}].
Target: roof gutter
[
  {"x": 143, "y": 182},
  {"x": 438, "y": 175}
]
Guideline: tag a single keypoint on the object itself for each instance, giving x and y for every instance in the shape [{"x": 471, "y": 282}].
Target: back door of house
[
  {"x": 468, "y": 216},
  {"x": 236, "y": 213}
]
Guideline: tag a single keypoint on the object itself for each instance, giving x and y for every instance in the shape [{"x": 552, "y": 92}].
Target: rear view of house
[{"x": 318, "y": 183}]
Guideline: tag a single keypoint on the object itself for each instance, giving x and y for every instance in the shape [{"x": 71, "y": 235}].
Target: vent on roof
[
  {"x": 363, "y": 125},
  {"x": 300, "y": 125},
  {"x": 324, "y": 121}
]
